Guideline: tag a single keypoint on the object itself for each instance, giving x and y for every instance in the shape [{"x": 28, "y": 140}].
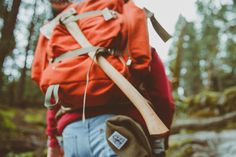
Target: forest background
[{"x": 201, "y": 67}]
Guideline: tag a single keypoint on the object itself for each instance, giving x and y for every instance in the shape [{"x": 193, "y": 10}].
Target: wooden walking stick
[{"x": 155, "y": 126}]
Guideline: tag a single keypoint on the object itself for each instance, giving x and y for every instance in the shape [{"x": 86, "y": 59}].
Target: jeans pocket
[
  {"x": 110, "y": 152},
  {"x": 70, "y": 146},
  {"x": 99, "y": 145}
]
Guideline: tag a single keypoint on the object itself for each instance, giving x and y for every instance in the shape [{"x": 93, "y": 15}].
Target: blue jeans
[{"x": 87, "y": 139}]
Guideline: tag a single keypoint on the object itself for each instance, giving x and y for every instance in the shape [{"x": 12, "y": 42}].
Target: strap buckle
[
  {"x": 66, "y": 15},
  {"x": 109, "y": 14}
]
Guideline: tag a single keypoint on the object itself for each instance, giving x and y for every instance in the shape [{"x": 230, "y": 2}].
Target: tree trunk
[
  {"x": 204, "y": 123},
  {"x": 21, "y": 87},
  {"x": 7, "y": 40},
  {"x": 11, "y": 93},
  {"x": 179, "y": 57}
]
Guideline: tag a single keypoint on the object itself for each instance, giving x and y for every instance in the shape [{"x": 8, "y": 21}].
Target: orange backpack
[{"x": 115, "y": 28}]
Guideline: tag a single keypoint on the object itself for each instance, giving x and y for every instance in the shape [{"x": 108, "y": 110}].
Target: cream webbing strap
[
  {"x": 155, "y": 126},
  {"x": 77, "y": 52},
  {"x": 106, "y": 13},
  {"x": 47, "y": 29},
  {"x": 67, "y": 17},
  {"x": 51, "y": 91}
]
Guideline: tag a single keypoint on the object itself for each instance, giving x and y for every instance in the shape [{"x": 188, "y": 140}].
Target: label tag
[{"x": 117, "y": 140}]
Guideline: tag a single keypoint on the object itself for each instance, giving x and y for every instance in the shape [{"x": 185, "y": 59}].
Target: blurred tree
[
  {"x": 227, "y": 17},
  {"x": 7, "y": 41},
  {"x": 191, "y": 63},
  {"x": 30, "y": 47},
  {"x": 17, "y": 61},
  {"x": 1, "y": 8},
  {"x": 210, "y": 42},
  {"x": 203, "y": 53},
  {"x": 27, "y": 92},
  {"x": 185, "y": 65},
  {"x": 177, "y": 57}
]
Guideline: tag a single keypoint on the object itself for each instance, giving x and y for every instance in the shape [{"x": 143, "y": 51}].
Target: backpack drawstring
[{"x": 86, "y": 89}]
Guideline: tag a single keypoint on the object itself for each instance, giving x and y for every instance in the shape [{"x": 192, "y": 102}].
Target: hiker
[{"x": 85, "y": 136}]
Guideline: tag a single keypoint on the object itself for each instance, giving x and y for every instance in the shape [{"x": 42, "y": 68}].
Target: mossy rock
[
  {"x": 230, "y": 99},
  {"x": 6, "y": 117},
  {"x": 206, "y": 98},
  {"x": 210, "y": 103},
  {"x": 180, "y": 149},
  {"x": 203, "y": 103}
]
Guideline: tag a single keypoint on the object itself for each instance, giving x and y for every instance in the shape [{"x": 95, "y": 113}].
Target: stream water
[{"x": 209, "y": 143}]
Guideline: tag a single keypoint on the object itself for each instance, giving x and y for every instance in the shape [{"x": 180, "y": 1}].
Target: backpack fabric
[
  {"x": 159, "y": 90},
  {"x": 127, "y": 33}
]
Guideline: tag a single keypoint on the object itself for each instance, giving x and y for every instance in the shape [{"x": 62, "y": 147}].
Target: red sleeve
[
  {"x": 159, "y": 89},
  {"x": 51, "y": 130}
]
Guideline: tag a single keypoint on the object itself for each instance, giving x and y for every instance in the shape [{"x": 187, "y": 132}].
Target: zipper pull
[{"x": 129, "y": 61}]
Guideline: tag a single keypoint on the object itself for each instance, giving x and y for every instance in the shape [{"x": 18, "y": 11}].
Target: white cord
[{"x": 85, "y": 91}]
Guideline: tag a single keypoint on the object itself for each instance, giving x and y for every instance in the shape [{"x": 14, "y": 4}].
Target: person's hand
[{"x": 55, "y": 152}]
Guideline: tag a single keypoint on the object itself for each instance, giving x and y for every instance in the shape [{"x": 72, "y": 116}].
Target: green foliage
[
  {"x": 205, "y": 52},
  {"x": 230, "y": 99},
  {"x": 208, "y": 103},
  {"x": 6, "y": 117},
  {"x": 16, "y": 87},
  {"x": 27, "y": 154},
  {"x": 180, "y": 149},
  {"x": 37, "y": 118},
  {"x": 22, "y": 132}
]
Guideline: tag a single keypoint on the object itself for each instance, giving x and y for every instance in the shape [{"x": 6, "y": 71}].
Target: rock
[{"x": 204, "y": 144}]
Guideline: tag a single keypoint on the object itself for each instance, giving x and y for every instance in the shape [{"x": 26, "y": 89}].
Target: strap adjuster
[
  {"x": 108, "y": 14},
  {"x": 67, "y": 15}
]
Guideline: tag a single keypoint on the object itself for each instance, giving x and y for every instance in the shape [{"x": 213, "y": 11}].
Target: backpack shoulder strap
[{"x": 155, "y": 126}]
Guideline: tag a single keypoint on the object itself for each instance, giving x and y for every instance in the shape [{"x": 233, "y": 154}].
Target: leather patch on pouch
[{"x": 117, "y": 140}]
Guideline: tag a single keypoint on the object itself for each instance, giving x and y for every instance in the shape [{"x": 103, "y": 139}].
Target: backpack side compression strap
[
  {"x": 52, "y": 91},
  {"x": 155, "y": 126}
]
